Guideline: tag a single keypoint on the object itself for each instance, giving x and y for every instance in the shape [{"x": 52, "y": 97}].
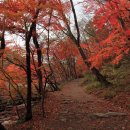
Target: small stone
[
  {"x": 69, "y": 128},
  {"x": 116, "y": 114},
  {"x": 63, "y": 119},
  {"x": 123, "y": 128},
  {"x": 101, "y": 115},
  {"x": 108, "y": 114},
  {"x": 9, "y": 122},
  {"x": 21, "y": 106},
  {"x": 2, "y": 119},
  {"x": 64, "y": 112},
  {"x": 66, "y": 102}
]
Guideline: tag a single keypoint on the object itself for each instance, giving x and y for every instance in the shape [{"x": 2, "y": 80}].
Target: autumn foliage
[{"x": 113, "y": 16}]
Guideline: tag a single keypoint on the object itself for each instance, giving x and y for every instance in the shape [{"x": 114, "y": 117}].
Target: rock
[
  {"x": 63, "y": 119},
  {"x": 67, "y": 99},
  {"x": 123, "y": 128},
  {"x": 108, "y": 114},
  {"x": 21, "y": 106},
  {"x": 116, "y": 114},
  {"x": 64, "y": 112},
  {"x": 69, "y": 128},
  {"x": 101, "y": 115},
  {"x": 3, "y": 118},
  {"x": 65, "y": 102},
  {"x": 9, "y": 122}
]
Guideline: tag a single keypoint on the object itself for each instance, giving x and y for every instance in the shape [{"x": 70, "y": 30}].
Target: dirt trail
[
  {"x": 73, "y": 109},
  {"x": 80, "y": 111}
]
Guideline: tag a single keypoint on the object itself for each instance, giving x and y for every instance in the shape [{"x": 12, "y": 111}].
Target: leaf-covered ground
[{"x": 73, "y": 109}]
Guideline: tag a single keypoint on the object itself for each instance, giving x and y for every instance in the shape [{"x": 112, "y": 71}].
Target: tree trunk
[
  {"x": 39, "y": 58},
  {"x": 2, "y": 45},
  {"x": 28, "y": 65},
  {"x": 100, "y": 77},
  {"x": 2, "y": 39},
  {"x": 29, "y": 86},
  {"x": 64, "y": 73},
  {"x": 96, "y": 72},
  {"x": 54, "y": 85}
]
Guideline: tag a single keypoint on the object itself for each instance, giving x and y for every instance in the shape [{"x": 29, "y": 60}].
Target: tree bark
[
  {"x": 29, "y": 80},
  {"x": 2, "y": 45},
  {"x": 39, "y": 59},
  {"x": 53, "y": 83},
  {"x": 2, "y": 39},
  {"x": 64, "y": 73},
  {"x": 95, "y": 71},
  {"x": 28, "y": 64}
]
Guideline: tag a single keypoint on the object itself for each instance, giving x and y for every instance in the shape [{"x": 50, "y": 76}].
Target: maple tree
[
  {"x": 113, "y": 16},
  {"x": 21, "y": 10},
  {"x": 22, "y": 19},
  {"x": 66, "y": 56},
  {"x": 76, "y": 39}
]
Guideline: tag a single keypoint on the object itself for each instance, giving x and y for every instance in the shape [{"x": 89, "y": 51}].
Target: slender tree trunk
[
  {"x": 2, "y": 39},
  {"x": 73, "y": 68},
  {"x": 64, "y": 73},
  {"x": 39, "y": 58},
  {"x": 28, "y": 63},
  {"x": 29, "y": 86},
  {"x": 96, "y": 72},
  {"x": 54, "y": 82},
  {"x": 2, "y": 45}
]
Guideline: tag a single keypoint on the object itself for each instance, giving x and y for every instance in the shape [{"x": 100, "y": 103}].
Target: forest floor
[{"x": 73, "y": 109}]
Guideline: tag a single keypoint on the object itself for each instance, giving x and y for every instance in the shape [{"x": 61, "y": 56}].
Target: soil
[{"x": 73, "y": 109}]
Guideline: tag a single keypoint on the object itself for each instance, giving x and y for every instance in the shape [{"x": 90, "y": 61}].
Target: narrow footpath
[{"x": 81, "y": 111}]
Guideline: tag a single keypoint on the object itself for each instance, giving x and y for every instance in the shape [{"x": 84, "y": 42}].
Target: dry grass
[{"x": 118, "y": 75}]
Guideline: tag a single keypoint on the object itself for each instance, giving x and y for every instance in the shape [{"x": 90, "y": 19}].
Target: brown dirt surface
[{"x": 73, "y": 109}]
